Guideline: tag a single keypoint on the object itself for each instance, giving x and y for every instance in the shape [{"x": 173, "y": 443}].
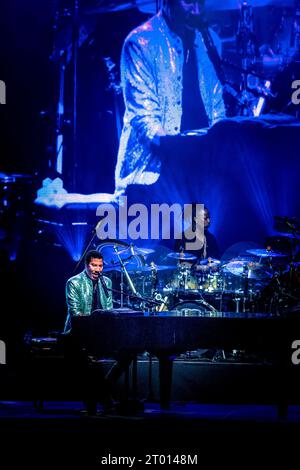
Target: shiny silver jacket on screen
[
  {"x": 151, "y": 73},
  {"x": 79, "y": 296}
]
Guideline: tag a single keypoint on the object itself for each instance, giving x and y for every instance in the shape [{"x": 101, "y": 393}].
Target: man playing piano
[
  {"x": 169, "y": 86},
  {"x": 86, "y": 292}
]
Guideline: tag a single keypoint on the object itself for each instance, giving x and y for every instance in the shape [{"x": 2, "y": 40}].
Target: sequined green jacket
[{"x": 79, "y": 296}]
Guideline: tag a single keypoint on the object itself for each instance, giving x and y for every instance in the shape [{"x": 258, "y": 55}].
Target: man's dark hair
[{"x": 92, "y": 254}]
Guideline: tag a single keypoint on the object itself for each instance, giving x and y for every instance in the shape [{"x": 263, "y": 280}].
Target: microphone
[{"x": 103, "y": 285}]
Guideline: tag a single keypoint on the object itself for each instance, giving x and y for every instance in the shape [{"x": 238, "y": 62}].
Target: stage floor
[{"x": 61, "y": 434}]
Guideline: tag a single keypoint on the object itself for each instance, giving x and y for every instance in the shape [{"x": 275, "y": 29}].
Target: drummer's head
[
  {"x": 93, "y": 264},
  {"x": 205, "y": 214},
  {"x": 206, "y": 218},
  {"x": 183, "y": 11}
]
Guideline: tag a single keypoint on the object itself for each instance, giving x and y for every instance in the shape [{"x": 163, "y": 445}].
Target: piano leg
[{"x": 165, "y": 379}]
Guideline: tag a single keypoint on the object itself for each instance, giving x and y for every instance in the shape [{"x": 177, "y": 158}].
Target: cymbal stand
[
  {"x": 154, "y": 279},
  {"x": 246, "y": 286},
  {"x": 293, "y": 243},
  {"x": 122, "y": 289},
  {"x": 237, "y": 304},
  {"x": 136, "y": 294}
]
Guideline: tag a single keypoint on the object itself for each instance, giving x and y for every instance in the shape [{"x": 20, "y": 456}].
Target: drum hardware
[
  {"x": 237, "y": 301},
  {"x": 210, "y": 282},
  {"x": 266, "y": 253},
  {"x": 290, "y": 229},
  {"x": 164, "y": 302},
  {"x": 154, "y": 277},
  {"x": 124, "y": 252},
  {"x": 184, "y": 280},
  {"x": 255, "y": 270},
  {"x": 135, "y": 251},
  {"x": 149, "y": 269},
  {"x": 210, "y": 263},
  {"x": 293, "y": 236},
  {"x": 181, "y": 256},
  {"x": 286, "y": 225},
  {"x": 283, "y": 291},
  {"x": 121, "y": 257},
  {"x": 156, "y": 295}
]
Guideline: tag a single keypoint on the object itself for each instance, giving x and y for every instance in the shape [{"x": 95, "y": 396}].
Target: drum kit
[{"x": 258, "y": 282}]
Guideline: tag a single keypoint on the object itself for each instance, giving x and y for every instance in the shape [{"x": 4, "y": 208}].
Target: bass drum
[{"x": 194, "y": 308}]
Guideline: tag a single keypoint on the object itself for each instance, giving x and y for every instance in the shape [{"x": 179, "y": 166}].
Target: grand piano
[{"x": 165, "y": 335}]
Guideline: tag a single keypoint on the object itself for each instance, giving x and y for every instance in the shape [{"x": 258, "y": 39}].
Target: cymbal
[
  {"x": 182, "y": 256},
  {"x": 294, "y": 236},
  {"x": 248, "y": 269},
  {"x": 146, "y": 269},
  {"x": 210, "y": 262},
  {"x": 112, "y": 267},
  {"x": 262, "y": 253},
  {"x": 111, "y": 256},
  {"x": 134, "y": 250}
]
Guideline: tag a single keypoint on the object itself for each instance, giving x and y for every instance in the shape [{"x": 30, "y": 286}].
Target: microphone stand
[
  {"x": 124, "y": 270},
  {"x": 136, "y": 296},
  {"x": 94, "y": 232},
  {"x": 218, "y": 64}
]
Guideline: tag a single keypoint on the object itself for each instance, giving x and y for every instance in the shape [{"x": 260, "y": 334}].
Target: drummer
[{"x": 209, "y": 251}]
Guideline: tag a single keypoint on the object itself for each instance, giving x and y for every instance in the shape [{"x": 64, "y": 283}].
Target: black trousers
[{"x": 89, "y": 372}]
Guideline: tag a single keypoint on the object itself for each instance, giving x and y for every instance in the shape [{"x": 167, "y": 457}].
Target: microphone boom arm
[{"x": 131, "y": 285}]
